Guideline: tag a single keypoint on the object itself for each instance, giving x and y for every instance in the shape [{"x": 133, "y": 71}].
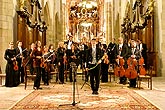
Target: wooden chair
[
  {"x": 147, "y": 77},
  {"x": 28, "y": 75},
  {"x": 54, "y": 71},
  {"x": 111, "y": 72},
  {"x": 2, "y": 77}
]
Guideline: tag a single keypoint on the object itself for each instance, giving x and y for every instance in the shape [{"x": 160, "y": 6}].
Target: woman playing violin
[
  {"x": 37, "y": 55},
  {"x": 12, "y": 77},
  {"x": 45, "y": 64}
]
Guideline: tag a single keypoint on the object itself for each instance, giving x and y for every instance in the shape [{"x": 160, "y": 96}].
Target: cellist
[
  {"x": 134, "y": 53},
  {"x": 121, "y": 52}
]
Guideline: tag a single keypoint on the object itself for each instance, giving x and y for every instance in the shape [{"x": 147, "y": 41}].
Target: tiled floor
[{"x": 10, "y": 96}]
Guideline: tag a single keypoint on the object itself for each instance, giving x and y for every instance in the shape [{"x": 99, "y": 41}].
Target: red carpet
[{"x": 108, "y": 99}]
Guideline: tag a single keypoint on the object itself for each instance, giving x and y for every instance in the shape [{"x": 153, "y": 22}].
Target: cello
[
  {"x": 131, "y": 72},
  {"x": 141, "y": 67},
  {"x": 119, "y": 69}
]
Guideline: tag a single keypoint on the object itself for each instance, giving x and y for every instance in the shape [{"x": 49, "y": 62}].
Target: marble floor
[{"x": 10, "y": 96}]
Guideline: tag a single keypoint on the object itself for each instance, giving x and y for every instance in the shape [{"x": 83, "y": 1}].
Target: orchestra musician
[
  {"x": 121, "y": 52},
  {"x": 143, "y": 48},
  {"x": 12, "y": 77},
  {"x": 45, "y": 64},
  {"x": 52, "y": 57},
  {"x": 60, "y": 61},
  {"x": 37, "y": 55},
  {"x": 94, "y": 56},
  {"x": 21, "y": 53},
  {"x": 111, "y": 51},
  {"x": 30, "y": 63},
  {"x": 105, "y": 63},
  {"x": 134, "y": 53}
]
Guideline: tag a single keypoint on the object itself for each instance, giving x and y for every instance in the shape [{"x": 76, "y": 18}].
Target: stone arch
[{"x": 48, "y": 20}]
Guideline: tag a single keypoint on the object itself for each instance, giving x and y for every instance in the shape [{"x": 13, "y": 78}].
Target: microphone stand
[{"x": 74, "y": 69}]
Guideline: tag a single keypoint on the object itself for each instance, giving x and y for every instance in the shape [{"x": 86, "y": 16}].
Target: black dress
[{"x": 12, "y": 77}]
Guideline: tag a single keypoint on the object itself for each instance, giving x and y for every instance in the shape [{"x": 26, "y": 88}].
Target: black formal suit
[
  {"x": 94, "y": 73},
  {"x": 122, "y": 52},
  {"x": 111, "y": 52},
  {"x": 60, "y": 62},
  {"x": 19, "y": 60}
]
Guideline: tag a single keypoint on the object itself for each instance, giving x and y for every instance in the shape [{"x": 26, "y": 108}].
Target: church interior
[{"x": 52, "y": 23}]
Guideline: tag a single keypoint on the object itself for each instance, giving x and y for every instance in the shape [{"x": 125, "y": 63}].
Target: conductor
[{"x": 94, "y": 56}]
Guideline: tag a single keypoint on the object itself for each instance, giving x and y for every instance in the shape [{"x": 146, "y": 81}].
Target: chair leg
[
  {"x": 139, "y": 83},
  {"x": 110, "y": 77},
  {"x": 151, "y": 84},
  {"x": 25, "y": 82}
]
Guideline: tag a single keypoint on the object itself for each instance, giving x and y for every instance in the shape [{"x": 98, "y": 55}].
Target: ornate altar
[{"x": 84, "y": 19}]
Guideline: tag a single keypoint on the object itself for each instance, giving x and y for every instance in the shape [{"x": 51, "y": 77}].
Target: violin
[
  {"x": 15, "y": 63},
  {"x": 141, "y": 67},
  {"x": 65, "y": 59},
  {"x": 119, "y": 69},
  {"x": 131, "y": 72},
  {"x": 106, "y": 61}
]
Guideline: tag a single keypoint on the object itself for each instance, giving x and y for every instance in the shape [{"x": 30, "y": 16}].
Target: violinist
[
  {"x": 104, "y": 68},
  {"x": 45, "y": 64},
  {"x": 121, "y": 52},
  {"x": 20, "y": 51},
  {"x": 60, "y": 61},
  {"x": 134, "y": 53},
  {"x": 37, "y": 55},
  {"x": 11, "y": 74},
  {"x": 53, "y": 57},
  {"x": 30, "y": 63},
  {"x": 105, "y": 63}
]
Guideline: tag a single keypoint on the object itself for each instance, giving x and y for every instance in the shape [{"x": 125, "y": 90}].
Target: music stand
[{"x": 74, "y": 71}]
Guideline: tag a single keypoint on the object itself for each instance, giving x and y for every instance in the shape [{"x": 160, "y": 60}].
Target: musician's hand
[
  {"x": 99, "y": 61},
  {"x": 86, "y": 69},
  {"x": 118, "y": 56},
  {"x": 13, "y": 59},
  {"x": 121, "y": 57},
  {"x": 59, "y": 63},
  {"x": 133, "y": 56},
  {"x": 21, "y": 56},
  {"x": 39, "y": 57}
]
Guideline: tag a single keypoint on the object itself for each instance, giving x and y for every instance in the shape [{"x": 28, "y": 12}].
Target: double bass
[
  {"x": 131, "y": 72},
  {"x": 119, "y": 69}
]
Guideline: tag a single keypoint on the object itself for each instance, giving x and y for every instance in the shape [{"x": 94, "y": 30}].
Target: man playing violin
[{"x": 21, "y": 55}]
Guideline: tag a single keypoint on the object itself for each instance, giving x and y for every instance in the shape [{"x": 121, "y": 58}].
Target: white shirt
[
  {"x": 20, "y": 49},
  {"x": 69, "y": 44}
]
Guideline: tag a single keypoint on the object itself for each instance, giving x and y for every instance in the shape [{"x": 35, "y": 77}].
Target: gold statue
[{"x": 22, "y": 3}]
